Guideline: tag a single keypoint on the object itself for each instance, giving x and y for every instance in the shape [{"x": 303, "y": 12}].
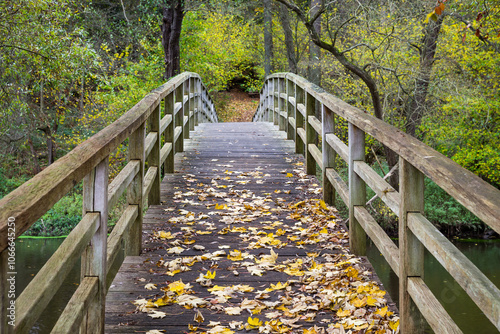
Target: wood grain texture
[
  {"x": 122, "y": 181},
  {"x": 481, "y": 290},
  {"x": 73, "y": 313}
]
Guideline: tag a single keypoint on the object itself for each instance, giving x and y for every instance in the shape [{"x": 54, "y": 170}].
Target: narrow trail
[{"x": 243, "y": 241}]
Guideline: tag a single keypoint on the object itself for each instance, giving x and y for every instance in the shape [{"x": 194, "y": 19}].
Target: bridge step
[{"x": 229, "y": 164}]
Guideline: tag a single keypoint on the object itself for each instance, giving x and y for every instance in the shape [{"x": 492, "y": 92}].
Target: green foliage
[
  {"x": 221, "y": 48},
  {"x": 61, "y": 219}
]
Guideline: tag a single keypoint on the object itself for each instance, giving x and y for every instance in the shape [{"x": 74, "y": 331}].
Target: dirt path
[{"x": 235, "y": 106}]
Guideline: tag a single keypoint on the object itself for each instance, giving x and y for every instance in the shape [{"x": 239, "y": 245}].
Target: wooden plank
[
  {"x": 178, "y": 106},
  {"x": 339, "y": 184},
  {"x": 291, "y": 100},
  {"x": 150, "y": 142},
  {"x": 357, "y": 190},
  {"x": 302, "y": 109},
  {"x": 338, "y": 146},
  {"x": 381, "y": 240},
  {"x": 168, "y": 165},
  {"x": 165, "y": 151},
  {"x": 300, "y": 121},
  {"x": 383, "y": 189},
  {"x": 39, "y": 292},
  {"x": 316, "y": 154},
  {"x": 134, "y": 191},
  {"x": 315, "y": 123},
  {"x": 186, "y": 120},
  {"x": 311, "y": 134},
  {"x": 302, "y": 134},
  {"x": 411, "y": 250},
  {"x": 434, "y": 313},
  {"x": 165, "y": 121},
  {"x": 153, "y": 158},
  {"x": 93, "y": 260},
  {"x": 481, "y": 290},
  {"x": 73, "y": 313},
  {"x": 148, "y": 180},
  {"x": 291, "y": 120},
  {"x": 119, "y": 231},
  {"x": 329, "y": 154},
  {"x": 177, "y": 133},
  {"x": 122, "y": 181}
]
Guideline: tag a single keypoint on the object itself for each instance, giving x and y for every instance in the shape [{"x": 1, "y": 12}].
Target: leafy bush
[{"x": 60, "y": 219}]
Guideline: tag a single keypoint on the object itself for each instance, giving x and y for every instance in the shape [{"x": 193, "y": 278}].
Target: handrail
[
  {"x": 290, "y": 101},
  {"x": 155, "y": 128}
]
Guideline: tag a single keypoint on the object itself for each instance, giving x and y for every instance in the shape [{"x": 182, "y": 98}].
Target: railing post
[
  {"x": 329, "y": 154},
  {"x": 198, "y": 102},
  {"x": 153, "y": 159},
  {"x": 168, "y": 165},
  {"x": 133, "y": 240},
  {"x": 281, "y": 104},
  {"x": 179, "y": 118},
  {"x": 299, "y": 119},
  {"x": 187, "y": 85},
  {"x": 310, "y": 134},
  {"x": 95, "y": 199},
  {"x": 270, "y": 99},
  {"x": 290, "y": 91},
  {"x": 276, "y": 117},
  {"x": 192, "y": 102},
  {"x": 5, "y": 301},
  {"x": 411, "y": 251},
  {"x": 357, "y": 190}
]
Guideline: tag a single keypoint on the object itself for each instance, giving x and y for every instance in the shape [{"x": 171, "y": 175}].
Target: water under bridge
[{"x": 229, "y": 227}]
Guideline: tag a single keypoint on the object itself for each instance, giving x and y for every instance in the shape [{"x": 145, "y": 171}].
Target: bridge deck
[{"x": 236, "y": 184}]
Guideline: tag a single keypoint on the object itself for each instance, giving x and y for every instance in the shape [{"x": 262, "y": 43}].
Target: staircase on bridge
[{"x": 239, "y": 187}]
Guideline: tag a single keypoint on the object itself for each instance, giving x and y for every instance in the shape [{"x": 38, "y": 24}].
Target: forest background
[{"x": 431, "y": 68}]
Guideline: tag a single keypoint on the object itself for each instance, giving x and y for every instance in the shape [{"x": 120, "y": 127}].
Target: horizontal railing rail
[
  {"x": 155, "y": 128},
  {"x": 290, "y": 102}
]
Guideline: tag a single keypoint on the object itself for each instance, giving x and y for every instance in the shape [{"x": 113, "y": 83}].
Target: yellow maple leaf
[
  {"x": 209, "y": 275},
  {"x": 177, "y": 287},
  {"x": 235, "y": 255},
  {"x": 371, "y": 301},
  {"x": 394, "y": 325},
  {"x": 254, "y": 322},
  {"x": 381, "y": 311},
  {"x": 343, "y": 313},
  {"x": 289, "y": 175},
  {"x": 359, "y": 302},
  {"x": 220, "y": 207}
]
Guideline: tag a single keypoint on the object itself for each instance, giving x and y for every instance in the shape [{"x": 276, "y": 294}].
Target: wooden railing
[
  {"x": 290, "y": 102},
  {"x": 155, "y": 128}
]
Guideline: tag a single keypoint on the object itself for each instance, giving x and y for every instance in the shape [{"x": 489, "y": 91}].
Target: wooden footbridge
[{"x": 238, "y": 233}]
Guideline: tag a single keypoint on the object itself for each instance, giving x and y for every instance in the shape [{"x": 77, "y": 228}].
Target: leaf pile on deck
[{"x": 329, "y": 286}]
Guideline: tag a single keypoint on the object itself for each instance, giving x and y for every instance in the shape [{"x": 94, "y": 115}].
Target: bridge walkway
[{"x": 240, "y": 206}]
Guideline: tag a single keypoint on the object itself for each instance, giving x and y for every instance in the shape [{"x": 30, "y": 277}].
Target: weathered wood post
[
  {"x": 276, "y": 117},
  {"x": 198, "y": 102},
  {"x": 329, "y": 154},
  {"x": 411, "y": 250},
  {"x": 290, "y": 109},
  {"x": 153, "y": 158},
  {"x": 168, "y": 165},
  {"x": 270, "y": 98},
  {"x": 133, "y": 240},
  {"x": 281, "y": 104},
  {"x": 357, "y": 190},
  {"x": 299, "y": 120},
  {"x": 185, "y": 130},
  {"x": 179, "y": 119},
  {"x": 192, "y": 102},
  {"x": 95, "y": 199},
  {"x": 310, "y": 134}
]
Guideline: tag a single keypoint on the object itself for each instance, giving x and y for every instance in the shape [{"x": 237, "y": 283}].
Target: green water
[
  {"x": 484, "y": 254},
  {"x": 33, "y": 253}
]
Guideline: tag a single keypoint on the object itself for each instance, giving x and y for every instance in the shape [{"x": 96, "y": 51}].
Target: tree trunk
[
  {"x": 289, "y": 43},
  {"x": 268, "y": 38},
  {"x": 173, "y": 14},
  {"x": 416, "y": 107},
  {"x": 314, "y": 68}
]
